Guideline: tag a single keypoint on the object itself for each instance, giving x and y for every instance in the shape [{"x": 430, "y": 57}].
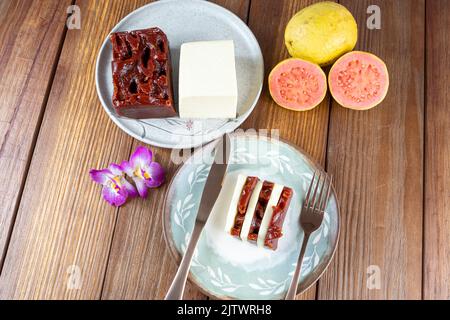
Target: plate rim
[
  {"x": 176, "y": 256},
  {"x": 115, "y": 118}
]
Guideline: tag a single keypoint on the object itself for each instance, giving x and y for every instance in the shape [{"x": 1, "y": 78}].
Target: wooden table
[{"x": 391, "y": 164}]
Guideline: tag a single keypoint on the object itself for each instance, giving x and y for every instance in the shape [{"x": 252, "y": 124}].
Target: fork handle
[
  {"x": 292, "y": 291},
  {"x": 179, "y": 282}
]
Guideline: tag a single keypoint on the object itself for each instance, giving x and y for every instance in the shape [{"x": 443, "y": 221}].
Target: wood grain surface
[
  {"x": 390, "y": 164},
  {"x": 308, "y": 130},
  {"x": 28, "y": 54},
  {"x": 437, "y": 154},
  {"x": 62, "y": 222},
  {"x": 375, "y": 157},
  {"x": 151, "y": 277}
]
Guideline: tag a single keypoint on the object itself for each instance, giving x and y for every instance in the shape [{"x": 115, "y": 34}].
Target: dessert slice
[
  {"x": 232, "y": 208},
  {"x": 257, "y": 211},
  {"x": 243, "y": 204},
  {"x": 261, "y": 206},
  {"x": 142, "y": 74},
  {"x": 250, "y": 211},
  {"x": 267, "y": 217},
  {"x": 274, "y": 231}
]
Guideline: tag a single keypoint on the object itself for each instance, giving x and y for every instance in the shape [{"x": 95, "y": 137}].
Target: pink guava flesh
[
  {"x": 358, "y": 80},
  {"x": 297, "y": 84}
]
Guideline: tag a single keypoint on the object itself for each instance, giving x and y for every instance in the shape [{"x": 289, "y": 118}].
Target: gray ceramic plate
[
  {"x": 227, "y": 268},
  {"x": 184, "y": 21}
]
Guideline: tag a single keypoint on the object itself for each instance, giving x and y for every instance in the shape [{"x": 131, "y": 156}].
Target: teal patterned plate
[{"x": 224, "y": 267}]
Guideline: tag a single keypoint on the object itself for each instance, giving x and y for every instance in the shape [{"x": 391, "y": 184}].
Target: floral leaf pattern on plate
[
  {"x": 267, "y": 286},
  {"x": 219, "y": 276},
  {"x": 222, "y": 280}
]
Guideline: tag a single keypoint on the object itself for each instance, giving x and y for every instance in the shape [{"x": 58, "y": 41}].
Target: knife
[{"x": 211, "y": 191}]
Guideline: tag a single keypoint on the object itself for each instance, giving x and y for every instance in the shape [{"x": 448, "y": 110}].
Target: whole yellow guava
[{"x": 321, "y": 33}]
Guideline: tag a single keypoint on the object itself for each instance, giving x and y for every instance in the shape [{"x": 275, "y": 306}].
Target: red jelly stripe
[
  {"x": 274, "y": 232},
  {"x": 244, "y": 199},
  {"x": 263, "y": 199}
]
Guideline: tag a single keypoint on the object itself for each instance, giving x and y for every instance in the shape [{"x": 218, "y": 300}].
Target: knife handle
[{"x": 176, "y": 289}]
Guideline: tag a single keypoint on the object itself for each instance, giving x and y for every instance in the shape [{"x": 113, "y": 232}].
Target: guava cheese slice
[
  {"x": 261, "y": 205},
  {"x": 267, "y": 218},
  {"x": 250, "y": 211},
  {"x": 274, "y": 233},
  {"x": 232, "y": 208},
  {"x": 244, "y": 200}
]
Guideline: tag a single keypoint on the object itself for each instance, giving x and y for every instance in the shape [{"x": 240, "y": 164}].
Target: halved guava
[
  {"x": 358, "y": 80},
  {"x": 297, "y": 84}
]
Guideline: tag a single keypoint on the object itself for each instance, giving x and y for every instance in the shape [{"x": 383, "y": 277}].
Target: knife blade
[
  {"x": 211, "y": 190},
  {"x": 213, "y": 183}
]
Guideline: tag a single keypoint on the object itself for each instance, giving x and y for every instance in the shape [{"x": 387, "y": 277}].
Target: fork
[{"x": 311, "y": 218}]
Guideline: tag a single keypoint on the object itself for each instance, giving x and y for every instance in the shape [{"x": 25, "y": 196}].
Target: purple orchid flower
[
  {"x": 144, "y": 172},
  {"x": 116, "y": 188}
]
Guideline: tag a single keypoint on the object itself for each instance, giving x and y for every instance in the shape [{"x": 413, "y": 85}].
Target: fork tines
[{"x": 321, "y": 182}]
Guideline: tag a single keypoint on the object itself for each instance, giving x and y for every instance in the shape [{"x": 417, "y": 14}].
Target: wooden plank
[
  {"x": 268, "y": 19},
  {"x": 308, "y": 130},
  {"x": 28, "y": 53},
  {"x": 376, "y": 159},
  {"x": 436, "y": 282},
  {"x": 140, "y": 264},
  {"x": 63, "y": 226}
]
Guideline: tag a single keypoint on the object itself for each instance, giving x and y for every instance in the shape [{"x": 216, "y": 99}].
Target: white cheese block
[
  {"x": 250, "y": 211},
  {"x": 207, "y": 80},
  {"x": 232, "y": 208},
  {"x": 273, "y": 201}
]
